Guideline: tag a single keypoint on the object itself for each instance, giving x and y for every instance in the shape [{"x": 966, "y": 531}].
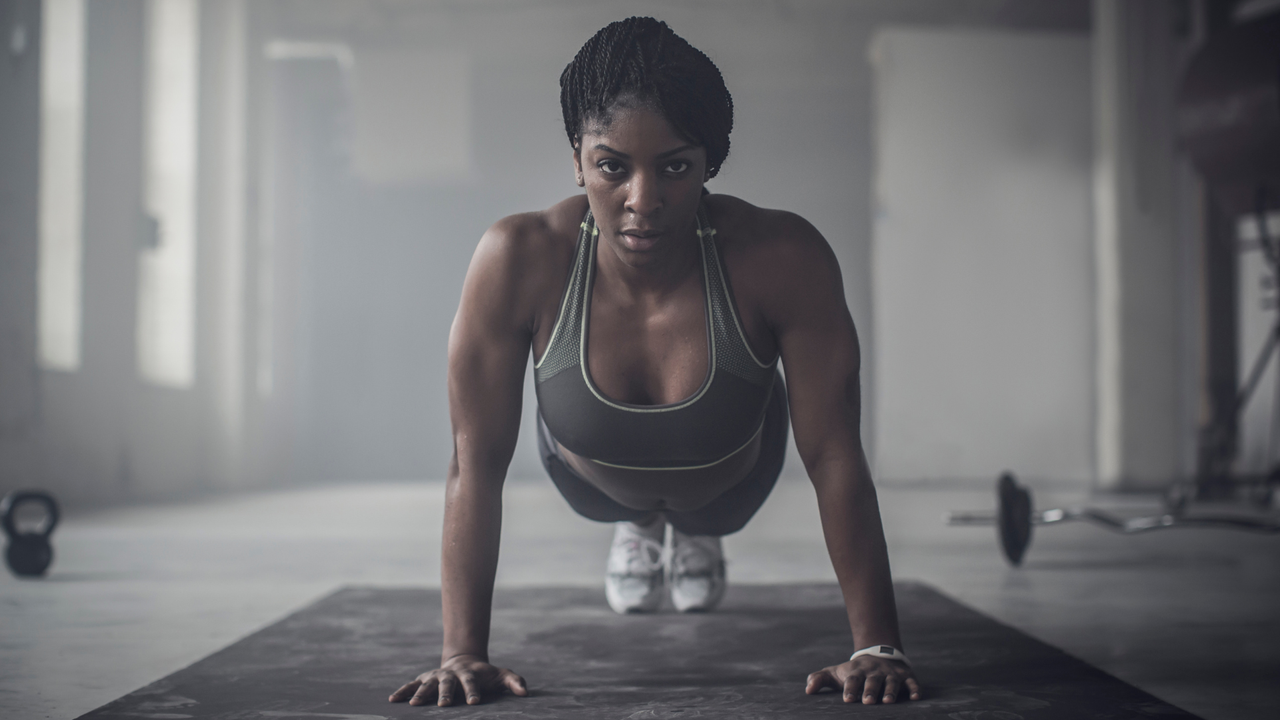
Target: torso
[{"x": 656, "y": 353}]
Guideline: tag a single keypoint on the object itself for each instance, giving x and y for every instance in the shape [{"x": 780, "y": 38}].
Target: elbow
[{"x": 831, "y": 467}]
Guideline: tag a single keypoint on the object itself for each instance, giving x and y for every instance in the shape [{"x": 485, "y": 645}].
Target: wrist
[
  {"x": 888, "y": 652},
  {"x": 448, "y": 657}
]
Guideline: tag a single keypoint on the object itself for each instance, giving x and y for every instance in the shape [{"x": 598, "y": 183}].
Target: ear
[{"x": 577, "y": 165}]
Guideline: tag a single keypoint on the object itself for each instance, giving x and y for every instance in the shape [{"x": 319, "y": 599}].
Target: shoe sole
[
  {"x": 649, "y": 604},
  {"x": 699, "y": 607}
]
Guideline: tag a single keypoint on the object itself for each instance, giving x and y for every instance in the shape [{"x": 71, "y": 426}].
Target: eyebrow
[{"x": 619, "y": 153}]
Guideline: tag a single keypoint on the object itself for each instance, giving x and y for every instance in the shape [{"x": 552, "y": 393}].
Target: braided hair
[{"x": 642, "y": 61}]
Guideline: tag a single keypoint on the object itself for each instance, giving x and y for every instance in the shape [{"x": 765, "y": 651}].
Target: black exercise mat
[{"x": 342, "y": 656}]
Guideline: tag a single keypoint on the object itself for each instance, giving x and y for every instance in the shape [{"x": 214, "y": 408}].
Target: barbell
[{"x": 1015, "y": 517}]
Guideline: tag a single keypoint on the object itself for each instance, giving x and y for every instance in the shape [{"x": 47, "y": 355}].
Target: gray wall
[{"x": 983, "y": 257}]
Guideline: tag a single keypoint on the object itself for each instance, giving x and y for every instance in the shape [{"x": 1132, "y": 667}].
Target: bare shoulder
[
  {"x": 521, "y": 261},
  {"x": 772, "y": 254},
  {"x": 526, "y": 242}
]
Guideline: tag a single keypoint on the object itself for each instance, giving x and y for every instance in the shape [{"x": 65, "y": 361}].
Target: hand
[
  {"x": 476, "y": 677},
  {"x": 878, "y": 679}
]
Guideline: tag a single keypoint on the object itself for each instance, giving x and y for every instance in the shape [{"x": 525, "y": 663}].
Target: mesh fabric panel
[{"x": 562, "y": 352}]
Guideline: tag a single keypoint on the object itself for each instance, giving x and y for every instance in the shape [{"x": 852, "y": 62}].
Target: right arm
[{"x": 488, "y": 348}]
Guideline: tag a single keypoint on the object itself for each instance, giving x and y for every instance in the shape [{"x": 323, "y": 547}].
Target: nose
[{"x": 644, "y": 194}]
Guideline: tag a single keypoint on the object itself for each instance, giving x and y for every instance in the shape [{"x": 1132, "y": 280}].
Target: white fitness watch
[{"x": 887, "y": 652}]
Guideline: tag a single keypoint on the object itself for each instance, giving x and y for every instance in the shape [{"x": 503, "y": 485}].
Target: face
[{"x": 644, "y": 182}]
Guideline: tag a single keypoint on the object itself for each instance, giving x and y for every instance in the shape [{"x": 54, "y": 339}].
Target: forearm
[
  {"x": 855, "y": 540},
  {"x": 469, "y": 560}
]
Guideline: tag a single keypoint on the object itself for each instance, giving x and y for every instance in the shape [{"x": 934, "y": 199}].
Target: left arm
[{"x": 819, "y": 348}]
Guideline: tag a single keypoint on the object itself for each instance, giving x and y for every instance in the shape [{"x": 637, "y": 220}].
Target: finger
[
  {"x": 852, "y": 686},
  {"x": 913, "y": 687},
  {"x": 819, "y": 680},
  {"x": 470, "y": 689},
  {"x": 871, "y": 690},
  {"x": 514, "y": 683},
  {"x": 447, "y": 683},
  {"x": 405, "y": 692},
  {"x": 425, "y": 691},
  {"x": 891, "y": 688}
]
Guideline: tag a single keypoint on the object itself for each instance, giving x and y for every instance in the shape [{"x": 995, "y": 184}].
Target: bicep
[{"x": 822, "y": 366}]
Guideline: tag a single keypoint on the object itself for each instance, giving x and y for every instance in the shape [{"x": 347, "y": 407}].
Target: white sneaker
[
  {"x": 633, "y": 575},
  {"x": 697, "y": 572}
]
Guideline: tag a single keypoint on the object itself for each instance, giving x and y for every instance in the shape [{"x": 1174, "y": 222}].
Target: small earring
[{"x": 581, "y": 181}]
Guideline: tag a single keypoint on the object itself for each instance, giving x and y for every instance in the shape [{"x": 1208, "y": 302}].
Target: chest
[
  {"x": 656, "y": 350},
  {"x": 651, "y": 381},
  {"x": 648, "y": 351}
]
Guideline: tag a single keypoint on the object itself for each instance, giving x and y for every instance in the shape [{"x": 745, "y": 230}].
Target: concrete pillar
[
  {"x": 223, "y": 233},
  {"x": 1145, "y": 409},
  {"x": 20, "y": 425}
]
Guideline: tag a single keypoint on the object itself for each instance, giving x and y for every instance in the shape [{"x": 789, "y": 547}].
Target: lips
[
  {"x": 639, "y": 233},
  {"x": 641, "y": 240}
]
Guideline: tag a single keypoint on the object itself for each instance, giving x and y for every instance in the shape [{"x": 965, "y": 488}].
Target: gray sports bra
[{"x": 722, "y": 417}]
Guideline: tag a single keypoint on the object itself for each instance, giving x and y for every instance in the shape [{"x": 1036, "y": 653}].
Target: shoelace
[{"x": 644, "y": 556}]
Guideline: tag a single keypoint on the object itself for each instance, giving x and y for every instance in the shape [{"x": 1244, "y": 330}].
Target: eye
[
  {"x": 677, "y": 166},
  {"x": 609, "y": 167}
]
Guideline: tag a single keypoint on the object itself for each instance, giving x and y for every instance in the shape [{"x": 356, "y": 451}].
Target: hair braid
[{"x": 642, "y": 58}]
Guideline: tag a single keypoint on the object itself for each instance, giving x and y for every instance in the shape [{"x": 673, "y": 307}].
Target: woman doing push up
[{"x": 656, "y": 315}]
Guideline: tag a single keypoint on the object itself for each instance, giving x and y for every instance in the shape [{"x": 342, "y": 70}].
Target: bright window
[
  {"x": 61, "y": 183},
  {"x": 166, "y": 265}
]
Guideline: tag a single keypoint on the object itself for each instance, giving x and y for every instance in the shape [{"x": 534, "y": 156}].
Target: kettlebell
[{"x": 28, "y": 554}]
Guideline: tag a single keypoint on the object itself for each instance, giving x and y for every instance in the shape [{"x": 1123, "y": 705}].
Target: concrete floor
[{"x": 138, "y": 592}]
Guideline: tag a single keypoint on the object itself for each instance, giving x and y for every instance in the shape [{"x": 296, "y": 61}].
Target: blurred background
[
  {"x": 233, "y": 235},
  {"x": 235, "y": 232}
]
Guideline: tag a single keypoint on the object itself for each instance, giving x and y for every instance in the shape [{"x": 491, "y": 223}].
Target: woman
[{"x": 656, "y": 315}]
